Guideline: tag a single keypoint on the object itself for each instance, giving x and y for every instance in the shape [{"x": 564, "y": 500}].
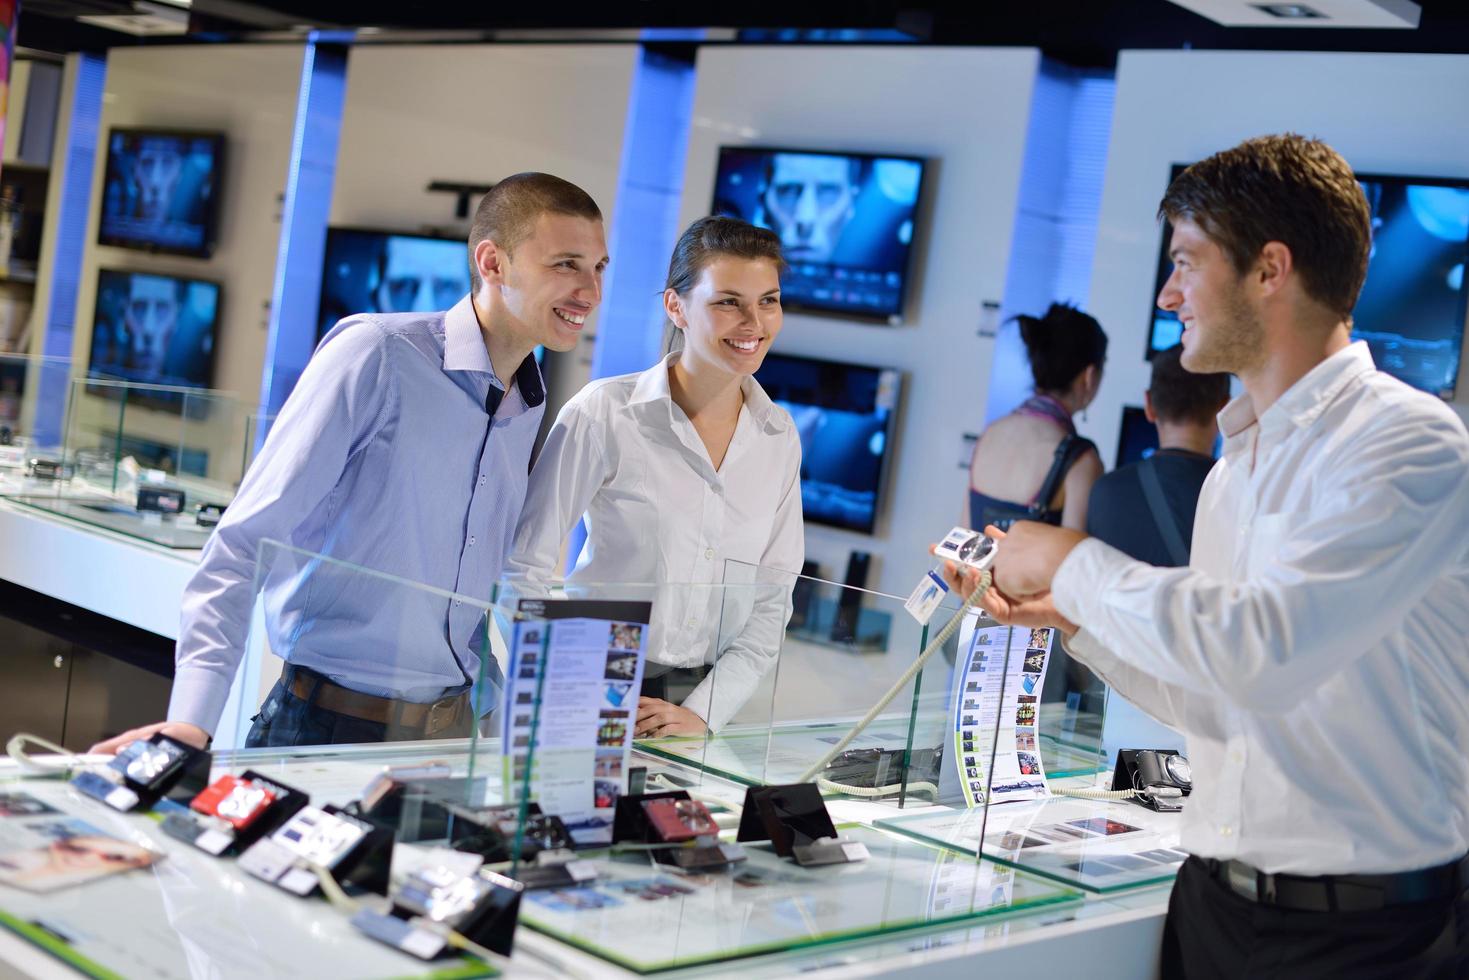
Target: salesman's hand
[
  {"x": 1034, "y": 610},
  {"x": 657, "y": 717},
  {"x": 180, "y": 730},
  {"x": 1032, "y": 553}
]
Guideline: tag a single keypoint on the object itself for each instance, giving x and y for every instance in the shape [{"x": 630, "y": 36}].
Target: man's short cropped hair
[
  {"x": 507, "y": 215},
  {"x": 1182, "y": 396},
  {"x": 1287, "y": 189}
]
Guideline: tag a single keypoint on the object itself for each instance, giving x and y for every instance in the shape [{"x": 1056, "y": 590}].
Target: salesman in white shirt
[
  {"x": 679, "y": 469},
  {"x": 1315, "y": 652}
]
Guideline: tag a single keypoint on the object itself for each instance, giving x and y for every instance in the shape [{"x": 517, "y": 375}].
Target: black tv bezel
[
  {"x": 894, "y": 319},
  {"x": 211, "y": 214},
  {"x": 1128, "y": 412},
  {"x": 889, "y": 436},
  {"x": 326, "y": 252},
  {"x": 1460, "y": 182},
  {"x": 154, "y": 401}
]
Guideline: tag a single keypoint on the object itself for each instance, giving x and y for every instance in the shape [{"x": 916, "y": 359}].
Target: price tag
[{"x": 927, "y": 596}]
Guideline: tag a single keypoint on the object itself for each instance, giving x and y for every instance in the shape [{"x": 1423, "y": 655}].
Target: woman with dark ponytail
[
  {"x": 678, "y": 469},
  {"x": 1031, "y": 465}
]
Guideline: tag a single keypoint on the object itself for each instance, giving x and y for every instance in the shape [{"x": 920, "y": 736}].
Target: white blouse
[{"x": 625, "y": 455}]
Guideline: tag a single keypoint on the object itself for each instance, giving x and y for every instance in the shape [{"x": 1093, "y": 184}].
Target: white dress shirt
[
  {"x": 1315, "y": 653},
  {"x": 625, "y": 455}
]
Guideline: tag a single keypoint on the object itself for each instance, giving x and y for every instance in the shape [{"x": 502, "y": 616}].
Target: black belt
[{"x": 1340, "y": 893}]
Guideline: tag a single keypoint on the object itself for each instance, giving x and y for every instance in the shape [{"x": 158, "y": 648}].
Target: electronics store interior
[{"x": 290, "y": 689}]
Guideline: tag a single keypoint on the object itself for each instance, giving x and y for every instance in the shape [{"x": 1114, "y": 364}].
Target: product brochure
[
  {"x": 42, "y": 850},
  {"x": 581, "y": 661},
  {"x": 998, "y": 679}
]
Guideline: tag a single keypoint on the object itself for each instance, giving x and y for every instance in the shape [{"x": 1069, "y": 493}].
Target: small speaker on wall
[{"x": 849, "y": 605}]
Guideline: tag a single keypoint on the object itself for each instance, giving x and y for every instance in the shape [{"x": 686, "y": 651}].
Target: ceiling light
[{"x": 1363, "y": 14}]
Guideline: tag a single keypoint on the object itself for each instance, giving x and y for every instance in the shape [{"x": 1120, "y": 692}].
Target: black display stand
[
  {"x": 794, "y": 819},
  {"x": 630, "y": 824},
  {"x": 491, "y": 923},
  {"x": 205, "y": 833},
  {"x": 180, "y": 781}
]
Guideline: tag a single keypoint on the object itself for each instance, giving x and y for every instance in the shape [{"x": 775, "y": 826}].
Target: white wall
[
  {"x": 965, "y": 110},
  {"x": 1386, "y": 113},
  {"x": 249, "y": 93},
  {"x": 475, "y": 114}
]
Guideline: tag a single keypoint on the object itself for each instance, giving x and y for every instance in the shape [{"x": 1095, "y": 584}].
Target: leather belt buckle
[{"x": 441, "y": 715}]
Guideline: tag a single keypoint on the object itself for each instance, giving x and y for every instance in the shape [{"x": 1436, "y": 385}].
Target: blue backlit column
[
  {"x": 82, "y": 117},
  {"x": 304, "y": 215}
]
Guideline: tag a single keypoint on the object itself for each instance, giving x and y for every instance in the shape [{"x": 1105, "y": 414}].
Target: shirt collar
[
  {"x": 652, "y": 389},
  {"x": 464, "y": 345},
  {"x": 1303, "y": 401},
  {"x": 464, "y": 350}
]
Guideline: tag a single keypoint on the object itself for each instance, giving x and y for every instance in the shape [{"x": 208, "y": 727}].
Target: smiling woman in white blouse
[{"x": 680, "y": 468}]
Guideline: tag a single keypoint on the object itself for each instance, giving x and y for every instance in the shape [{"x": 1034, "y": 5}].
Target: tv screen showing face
[
  {"x": 154, "y": 329},
  {"x": 369, "y": 271},
  {"x": 844, "y": 414},
  {"x": 845, "y": 222},
  {"x": 1412, "y": 307},
  {"x": 161, "y": 191}
]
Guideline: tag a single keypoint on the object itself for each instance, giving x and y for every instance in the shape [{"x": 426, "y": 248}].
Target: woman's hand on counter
[{"x": 657, "y": 717}]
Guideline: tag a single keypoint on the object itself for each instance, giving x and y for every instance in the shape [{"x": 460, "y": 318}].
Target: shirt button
[
  {"x": 471, "y": 539},
  {"x": 1226, "y": 831},
  {"x": 693, "y": 623},
  {"x": 458, "y": 602},
  {"x": 481, "y": 479},
  {"x": 709, "y": 553}
]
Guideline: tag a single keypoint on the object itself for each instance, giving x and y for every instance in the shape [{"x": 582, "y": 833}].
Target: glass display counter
[
  {"x": 549, "y": 678},
  {"x": 152, "y": 462}
]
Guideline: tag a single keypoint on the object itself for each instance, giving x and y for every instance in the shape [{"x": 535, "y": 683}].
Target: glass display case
[
  {"x": 33, "y": 394},
  {"x": 153, "y": 462}
]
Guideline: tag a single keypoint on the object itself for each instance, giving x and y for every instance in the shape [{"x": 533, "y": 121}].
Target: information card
[
  {"x": 998, "y": 678},
  {"x": 581, "y": 662}
]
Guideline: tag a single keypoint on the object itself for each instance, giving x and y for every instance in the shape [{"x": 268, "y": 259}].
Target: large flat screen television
[
  {"x": 845, "y": 415},
  {"x": 845, "y": 220},
  {"x": 161, "y": 191},
  {"x": 1412, "y": 307},
  {"x": 373, "y": 271},
  {"x": 154, "y": 329}
]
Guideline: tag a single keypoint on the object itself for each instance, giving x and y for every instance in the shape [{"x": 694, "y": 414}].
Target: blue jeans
[{"x": 285, "y": 720}]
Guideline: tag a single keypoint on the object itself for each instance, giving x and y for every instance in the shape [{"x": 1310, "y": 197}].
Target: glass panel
[
  {"x": 842, "y": 653},
  {"x": 655, "y": 682},
  {"x": 641, "y": 916},
  {"x": 1097, "y": 845},
  {"x": 33, "y": 393}
]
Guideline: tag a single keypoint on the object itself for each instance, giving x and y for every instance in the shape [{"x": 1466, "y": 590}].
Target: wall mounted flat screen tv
[
  {"x": 373, "y": 271},
  {"x": 1138, "y": 438},
  {"x": 845, "y": 220},
  {"x": 1412, "y": 307},
  {"x": 845, "y": 415},
  {"x": 161, "y": 191},
  {"x": 154, "y": 329}
]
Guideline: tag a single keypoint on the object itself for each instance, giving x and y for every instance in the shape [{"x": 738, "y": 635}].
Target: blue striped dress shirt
[{"x": 400, "y": 451}]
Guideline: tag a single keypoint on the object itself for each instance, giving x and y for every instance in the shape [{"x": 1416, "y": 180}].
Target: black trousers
[{"x": 1212, "y": 932}]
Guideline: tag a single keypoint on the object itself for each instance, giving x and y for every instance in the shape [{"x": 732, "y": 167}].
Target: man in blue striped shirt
[{"x": 404, "y": 448}]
